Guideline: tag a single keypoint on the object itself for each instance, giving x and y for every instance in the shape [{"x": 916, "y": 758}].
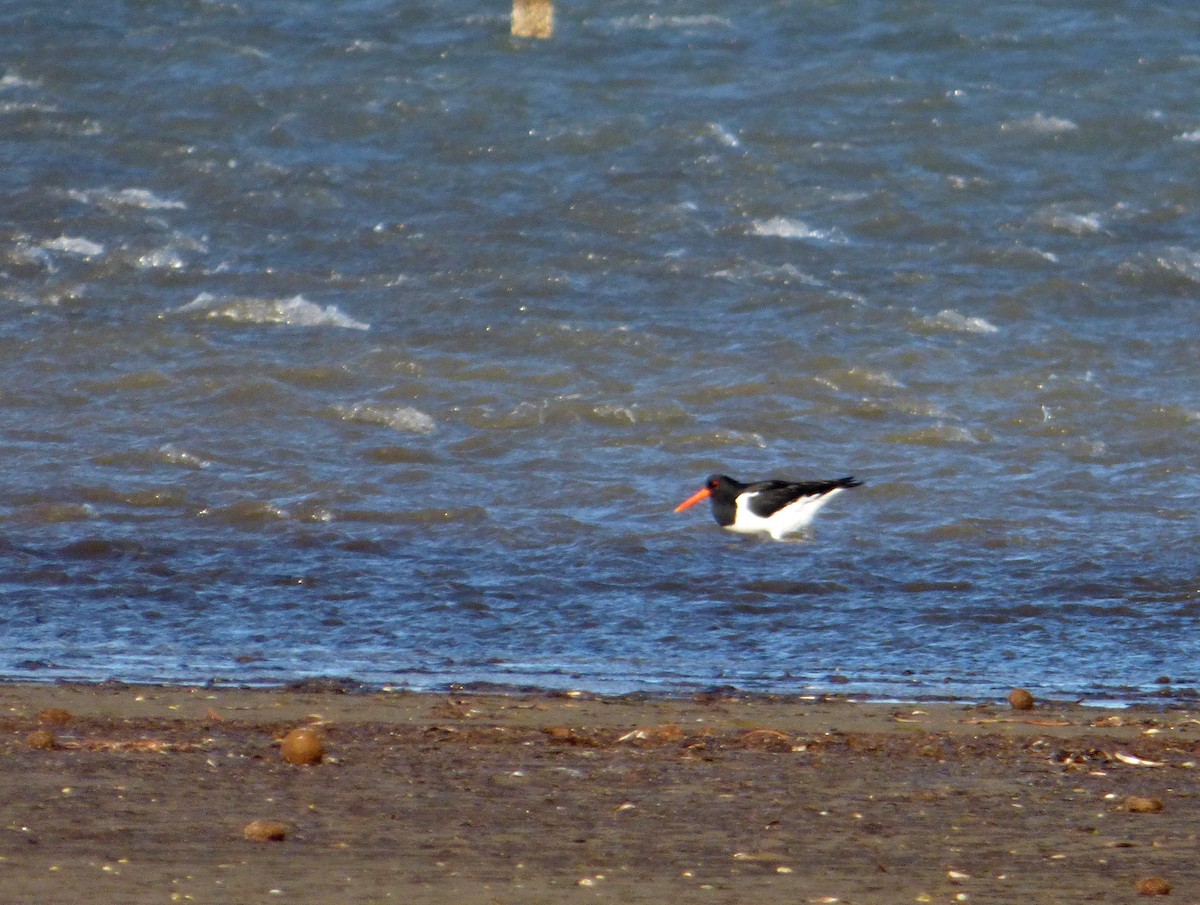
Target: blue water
[{"x": 362, "y": 339}]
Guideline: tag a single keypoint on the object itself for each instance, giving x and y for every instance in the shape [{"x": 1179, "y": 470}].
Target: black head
[
  {"x": 719, "y": 488},
  {"x": 723, "y": 487}
]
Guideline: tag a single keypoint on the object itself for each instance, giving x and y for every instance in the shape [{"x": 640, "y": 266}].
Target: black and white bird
[{"x": 777, "y": 508}]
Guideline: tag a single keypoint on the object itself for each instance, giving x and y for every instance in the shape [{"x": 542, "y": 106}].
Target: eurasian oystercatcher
[{"x": 775, "y": 507}]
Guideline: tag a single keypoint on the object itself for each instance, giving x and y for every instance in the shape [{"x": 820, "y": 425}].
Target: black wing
[{"x": 771, "y": 496}]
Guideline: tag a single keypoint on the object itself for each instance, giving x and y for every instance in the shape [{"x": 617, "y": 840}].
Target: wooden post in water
[{"x": 533, "y": 18}]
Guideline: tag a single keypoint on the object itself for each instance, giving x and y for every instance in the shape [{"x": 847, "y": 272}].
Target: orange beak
[{"x": 695, "y": 498}]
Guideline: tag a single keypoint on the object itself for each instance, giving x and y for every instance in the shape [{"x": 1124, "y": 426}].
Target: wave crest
[{"x": 294, "y": 312}]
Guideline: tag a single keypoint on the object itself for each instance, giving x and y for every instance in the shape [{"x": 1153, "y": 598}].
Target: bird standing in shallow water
[{"x": 777, "y": 508}]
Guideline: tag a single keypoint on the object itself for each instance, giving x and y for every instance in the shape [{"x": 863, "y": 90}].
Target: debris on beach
[
  {"x": 1135, "y": 761},
  {"x": 767, "y": 740},
  {"x": 660, "y": 735},
  {"x": 1136, "y": 804},
  {"x": 54, "y": 716},
  {"x": 41, "y": 740}
]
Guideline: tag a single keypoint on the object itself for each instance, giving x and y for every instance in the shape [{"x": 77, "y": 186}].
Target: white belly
[{"x": 791, "y": 518}]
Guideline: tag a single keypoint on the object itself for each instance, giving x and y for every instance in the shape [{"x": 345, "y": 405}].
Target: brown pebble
[
  {"x": 303, "y": 746},
  {"x": 265, "y": 831},
  {"x": 54, "y": 716},
  {"x": 41, "y": 739},
  {"x": 1153, "y": 886},
  {"x": 1139, "y": 805},
  {"x": 1020, "y": 699}
]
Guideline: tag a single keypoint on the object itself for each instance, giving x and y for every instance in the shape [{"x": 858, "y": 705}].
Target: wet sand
[{"x": 132, "y": 794}]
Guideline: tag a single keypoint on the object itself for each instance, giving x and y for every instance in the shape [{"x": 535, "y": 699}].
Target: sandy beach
[{"x": 132, "y": 794}]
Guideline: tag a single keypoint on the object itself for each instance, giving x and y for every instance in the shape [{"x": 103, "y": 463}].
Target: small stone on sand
[
  {"x": 265, "y": 831},
  {"x": 1020, "y": 699},
  {"x": 1153, "y": 886},
  {"x": 1139, "y": 805},
  {"x": 303, "y": 746}
]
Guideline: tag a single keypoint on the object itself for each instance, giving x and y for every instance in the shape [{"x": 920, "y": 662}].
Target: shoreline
[
  {"x": 1167, "y": 696},
  {"x": 143, "y": 793}
]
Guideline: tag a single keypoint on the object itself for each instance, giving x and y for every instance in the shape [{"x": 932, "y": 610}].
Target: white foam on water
[
  {"x": 723, "y": 135},
  {"x": 784, "y": 273},
  {"x": 729, "y": 437},
  {"x": 1193, "y": 136},
  {"x": 655, "y": 21},
  {"x": 24, "y": 253},
  {"x": 11, "y": 79},
  {"x": 22, "y": 299},
  {"x": 791, "y": 228},
  {"x": 1044, "y": 255},
  {"x": 961, "y": 183},
  {"x": 75, "y": 245},
  {"x": 173, "y": 455},
  {"x": 949, "y": 319},
  {"x": 614, "y": 412},
  {"x": 1182, "y": 262},
  {"x": 166, "y": 258},
  {"x": 27, "y": 107},
  {"x": 140, "y": 198},
  {"x": 294, "y": 312},
  {"x": 1082, "y": 447},
  {"x": 1040, "y": 124},
  {"x": 400, "y": 418},
  {"x": 1075, "y": 224},
  {"x": 860, "y": 377}
]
